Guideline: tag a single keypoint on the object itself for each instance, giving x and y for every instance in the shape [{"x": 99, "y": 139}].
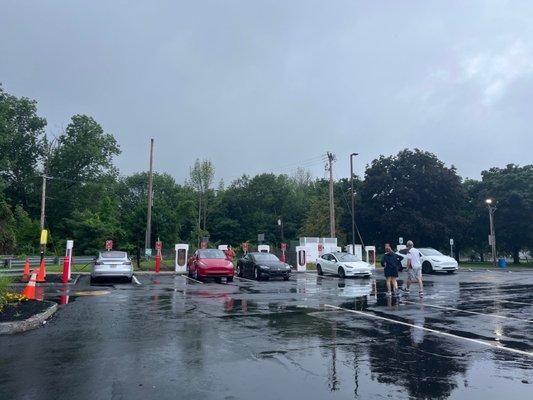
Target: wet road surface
[{"x": 168, "y": 337}]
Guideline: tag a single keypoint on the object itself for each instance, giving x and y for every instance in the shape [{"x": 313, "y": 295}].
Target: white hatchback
[
  {"x": 432, "y": 260},
  {"x": 343, "y": 265}
]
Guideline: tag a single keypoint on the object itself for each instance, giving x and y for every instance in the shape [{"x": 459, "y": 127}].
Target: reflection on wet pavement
[{"x": 276, "y": 339}]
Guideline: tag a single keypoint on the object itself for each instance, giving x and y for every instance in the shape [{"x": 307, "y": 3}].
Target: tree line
[{"x": 411, "y": 194}]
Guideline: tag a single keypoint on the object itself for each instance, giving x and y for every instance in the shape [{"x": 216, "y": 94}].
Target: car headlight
[
  {"x": 432, "y": 259},
  {"x": 264, "y": 267},
  {"x": 348, "y": 266}
]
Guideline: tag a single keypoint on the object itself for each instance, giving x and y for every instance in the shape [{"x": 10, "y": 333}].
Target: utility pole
[
  {"x": 353, "y": 201},
  {"x": 492, "y": 210},
  {"x": 331, "y": 158},
  {"x": 147, "y": 239},
  {"x": 43, "y": 200}
]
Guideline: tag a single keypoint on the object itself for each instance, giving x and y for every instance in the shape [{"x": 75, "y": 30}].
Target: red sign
[
  {"x": 108, "y": 244},
  {"x": 158, "y": 245},
  {"x": 320, "y": 247},
  {"x": 203, "y": 245},
  {"x": 244, "y": 247},
  {"x": 284, "y": 247}
]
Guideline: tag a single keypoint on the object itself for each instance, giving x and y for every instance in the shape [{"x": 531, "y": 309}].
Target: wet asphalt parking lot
[{"x": 312, "y": 337}]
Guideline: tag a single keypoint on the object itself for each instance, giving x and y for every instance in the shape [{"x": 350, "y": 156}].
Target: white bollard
[{"x": 263, "y": 248}]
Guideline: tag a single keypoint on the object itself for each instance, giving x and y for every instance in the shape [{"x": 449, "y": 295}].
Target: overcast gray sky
[{"x": 267, "y": 85}]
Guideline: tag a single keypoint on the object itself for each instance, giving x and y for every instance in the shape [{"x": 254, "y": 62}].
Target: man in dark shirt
[{"x": 391, "y": 263}]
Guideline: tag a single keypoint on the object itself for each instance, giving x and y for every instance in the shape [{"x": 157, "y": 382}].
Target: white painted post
[{"x": 263, "y": 248}]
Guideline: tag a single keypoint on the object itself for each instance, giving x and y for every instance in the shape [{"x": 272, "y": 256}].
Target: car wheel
[
  {"x": 319, "y": 270},
  {"x": 195, "y": 275},
  {"x": 218, "y": 280},
  {"x": 92, "y": 280},
  {"x": 427, "y": 268},
  {"x": 239, "y": 271},
  {"x": 285, "y": 278},
  {"x": 451, "y": 272},
  {"x": 257, "y": 274},
  {"x": 342, "y": 274},
  {"x": 229, "y": 279}
]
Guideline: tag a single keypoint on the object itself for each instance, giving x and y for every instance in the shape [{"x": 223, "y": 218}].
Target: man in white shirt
[{"x": 414, "y": 268}]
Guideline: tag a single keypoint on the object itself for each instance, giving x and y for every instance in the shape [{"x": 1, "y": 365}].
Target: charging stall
[
  {"x": 263, "y": 248},
  {"x": 180, "y": 262},
  {"x": 68, "y": 260},
  {"x": 371, "y": 255},
  {"x": 301, "y": 258}
]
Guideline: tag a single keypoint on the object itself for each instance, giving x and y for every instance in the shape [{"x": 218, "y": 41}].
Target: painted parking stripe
[
  {"x": 467, "y": 311},
  {"x": 243, "y": 279},
  {"x": 194, "y": 280},
  {"x": 488, "y": 344},
  {"x": 136, "y": 280}
]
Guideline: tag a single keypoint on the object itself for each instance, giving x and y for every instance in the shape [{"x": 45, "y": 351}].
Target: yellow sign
[{"x": 44, "y": 236}]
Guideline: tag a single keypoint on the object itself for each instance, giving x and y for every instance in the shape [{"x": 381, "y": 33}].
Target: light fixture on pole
[
  {"x": 492, "y": 237},
  {"x": 353, "y": 201}
]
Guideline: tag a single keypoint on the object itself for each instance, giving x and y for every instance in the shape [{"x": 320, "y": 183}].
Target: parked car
[
  {"x": 343, "y": 265},
  {"x": 262, "y": 265},
  {"x": 432, "y": 260},
  {"x": 210, "y": 263},
  {"x": 112, "y": 264}
]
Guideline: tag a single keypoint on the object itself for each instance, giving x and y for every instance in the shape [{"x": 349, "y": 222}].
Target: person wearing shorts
[
  {"x": 414, "y": 269},
  {"x": 391, "y": 263}
]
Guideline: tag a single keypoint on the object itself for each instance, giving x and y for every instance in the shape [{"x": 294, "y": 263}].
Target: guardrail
[{"x": 7, "y": 263}]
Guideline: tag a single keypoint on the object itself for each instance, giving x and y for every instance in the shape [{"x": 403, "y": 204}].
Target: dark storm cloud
[{"x": 258, "y": 86}]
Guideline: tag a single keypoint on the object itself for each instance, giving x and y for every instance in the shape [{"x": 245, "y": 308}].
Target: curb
[{"x": 35, "y": 321}]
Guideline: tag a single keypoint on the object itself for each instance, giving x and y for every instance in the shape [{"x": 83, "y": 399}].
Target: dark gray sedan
[{"x": 263, "y": 265}]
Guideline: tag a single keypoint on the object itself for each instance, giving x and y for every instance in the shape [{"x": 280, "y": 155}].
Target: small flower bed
[{"x": 6, "y": 297}]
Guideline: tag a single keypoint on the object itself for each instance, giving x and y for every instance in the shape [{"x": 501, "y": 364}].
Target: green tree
[
  {"x": 200, "y": 179},
  {"x": 21, "y": 145},
  {"x": 413, "y": 195},
  {"x": 512, "y": 190}
]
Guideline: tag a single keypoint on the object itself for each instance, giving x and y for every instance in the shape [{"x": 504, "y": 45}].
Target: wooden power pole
[
  {"x": 147, "y": 239},
  {"x": 331, "y": 158}
]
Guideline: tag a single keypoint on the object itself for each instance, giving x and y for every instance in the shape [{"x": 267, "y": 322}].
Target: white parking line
[
  {"x": 496, "y": 346},
  {"x": 243, "y": 279},
  {"x": 321, "y": 276},
  {"x": 136, "y": 280},
  {"x": 194, "y": 280},
  {"x": 467, "y": 311}
]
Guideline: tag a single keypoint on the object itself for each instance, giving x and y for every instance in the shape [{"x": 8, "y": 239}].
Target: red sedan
[{"x": 210, "y": 263}]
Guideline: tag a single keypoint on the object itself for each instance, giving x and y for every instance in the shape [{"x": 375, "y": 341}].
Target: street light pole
[
  {"x": 492, "y": 209},
  {"x": 353, "y": 201}
]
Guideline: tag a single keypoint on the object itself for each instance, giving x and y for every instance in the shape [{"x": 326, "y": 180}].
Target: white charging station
[
  {"x": 358, "y": 250},
  {"x": 301, "y": 258},
  {"x": 180, "y": 262},
  {"x": 371, "y": 255},
  {"x": 223, "y": 247},
  {"x": 263, "y": 248}
]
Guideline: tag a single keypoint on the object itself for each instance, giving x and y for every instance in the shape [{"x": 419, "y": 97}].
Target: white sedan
[
  {"x": 343, "y": 265},
  {"x": 432, "y": 260}
]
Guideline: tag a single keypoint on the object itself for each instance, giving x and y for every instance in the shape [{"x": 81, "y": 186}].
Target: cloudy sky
[{"x": 269, "y": 85}]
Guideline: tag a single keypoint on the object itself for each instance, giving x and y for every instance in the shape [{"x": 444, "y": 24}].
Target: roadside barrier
[
  {"x": 26, "y": 272},
  {"x": 29, "y": 290},
  {"x": 41, "y": 276}
]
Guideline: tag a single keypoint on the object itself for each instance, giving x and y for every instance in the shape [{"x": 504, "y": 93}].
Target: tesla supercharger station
[
  {"x": 358, "y": 250},
  {"x": 263, "y": 248},
  {"x": 223, "y": 247},
  {"x": 68, "y": 253},
  {"x": 180, "y": 262},
  {"x": 371, "y": 255},
  {"x": 301, "y": 258},
  {"x": 400, "y": 247}
]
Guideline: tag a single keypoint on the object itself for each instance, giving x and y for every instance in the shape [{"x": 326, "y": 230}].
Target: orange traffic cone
[
  {"x": 29, "y": 290},
  {"x": 41, "y": 276},
  {"x": 26, "y": 272}
]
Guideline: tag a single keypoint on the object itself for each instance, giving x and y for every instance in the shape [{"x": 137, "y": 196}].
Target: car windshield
[
  {"x": 264, "y": 257},
  {"x": 346, "y": 257},
  {"x": 430, "y": 252},
  {"x": 211, "y": 253},
  {"x": 113, "y": 254}
]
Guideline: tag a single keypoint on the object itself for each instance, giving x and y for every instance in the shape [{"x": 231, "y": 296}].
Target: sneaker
[
  {"x": 403, "y": 290},
  {"x": 421, "y": 293},
  {"x": 388, "y": 294}
]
